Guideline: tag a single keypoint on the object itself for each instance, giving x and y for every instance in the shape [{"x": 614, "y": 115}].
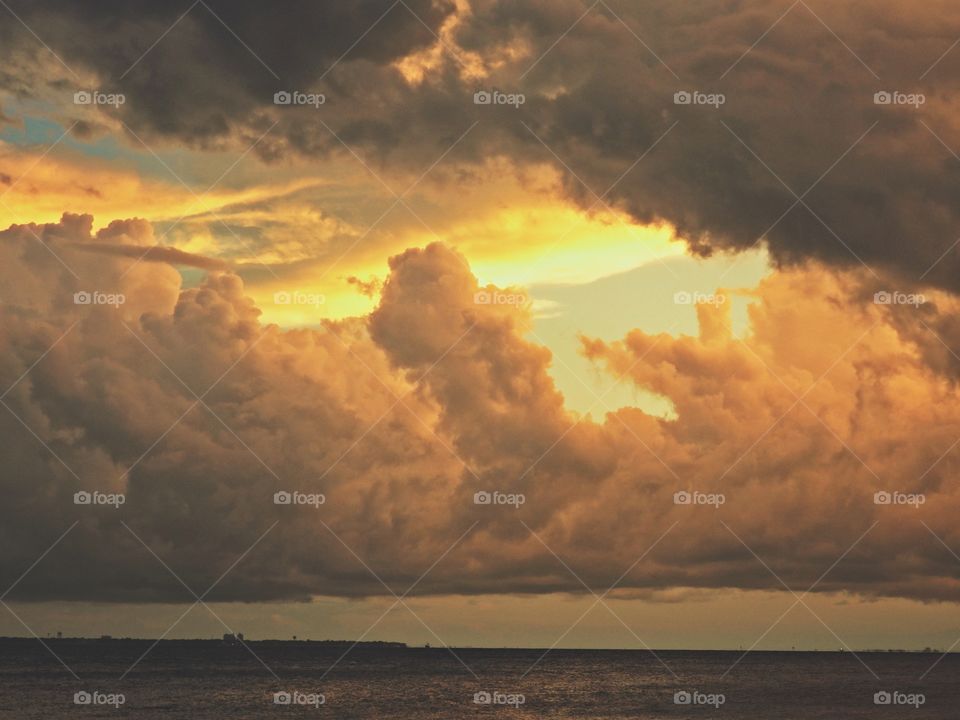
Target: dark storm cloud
[
  {"x": 220, "y": 63},
  {"x": 799, "y": 113},
  {"x": 877, "y": 184}
]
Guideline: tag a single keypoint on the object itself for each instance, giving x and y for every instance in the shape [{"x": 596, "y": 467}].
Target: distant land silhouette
[
  {"x": 239, "y": 639},
  {"x": 228, "y": 639}
]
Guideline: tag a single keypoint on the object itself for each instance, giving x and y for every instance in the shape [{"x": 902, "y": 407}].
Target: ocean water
[{"x": 202, "y": 679}]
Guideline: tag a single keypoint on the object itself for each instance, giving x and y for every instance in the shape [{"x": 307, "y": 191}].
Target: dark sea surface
[{"x": 202, "y": 679}]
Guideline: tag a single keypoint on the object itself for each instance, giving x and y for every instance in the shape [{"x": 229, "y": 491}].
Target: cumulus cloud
[{"x": 185, "y": 401}]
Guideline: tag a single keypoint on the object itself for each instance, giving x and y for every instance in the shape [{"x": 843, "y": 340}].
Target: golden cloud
[{"x": 186, "y": 402}]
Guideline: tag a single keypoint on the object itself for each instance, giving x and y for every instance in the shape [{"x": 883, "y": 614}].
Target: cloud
[
  {"x": 877, "y": 182},
  {"x": 43, "y": 185},
  {"x": 400, "y": 417},
  {"x": 157, "y": 253},
  {"x": 799, "y": 116},
  {"x": 367, "y": 288},
  {"x": 168, "y": 96}
]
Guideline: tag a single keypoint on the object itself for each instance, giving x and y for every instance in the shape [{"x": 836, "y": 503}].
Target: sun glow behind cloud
[
  {"x": 315, "y": 229},
  {"x": 519, "y": 232}
]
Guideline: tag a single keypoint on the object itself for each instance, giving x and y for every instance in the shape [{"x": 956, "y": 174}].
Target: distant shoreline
[
  {"x": 208, "y": 641},
  {"x": 387, "y": 645}
]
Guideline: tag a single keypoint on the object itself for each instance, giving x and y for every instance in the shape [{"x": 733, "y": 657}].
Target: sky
[{"x": 481, "y": 323}]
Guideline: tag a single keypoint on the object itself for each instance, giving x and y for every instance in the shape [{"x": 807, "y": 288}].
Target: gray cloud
[{"x": 800, "y": 102}]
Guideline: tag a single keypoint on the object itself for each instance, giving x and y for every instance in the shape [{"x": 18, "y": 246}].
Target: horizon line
[{"x": 401, "y": 645}]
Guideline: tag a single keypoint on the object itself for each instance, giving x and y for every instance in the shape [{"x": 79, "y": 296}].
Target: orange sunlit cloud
[
  {"x": 42, "y": 186},
  {"x": 485, "y": 416}
]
